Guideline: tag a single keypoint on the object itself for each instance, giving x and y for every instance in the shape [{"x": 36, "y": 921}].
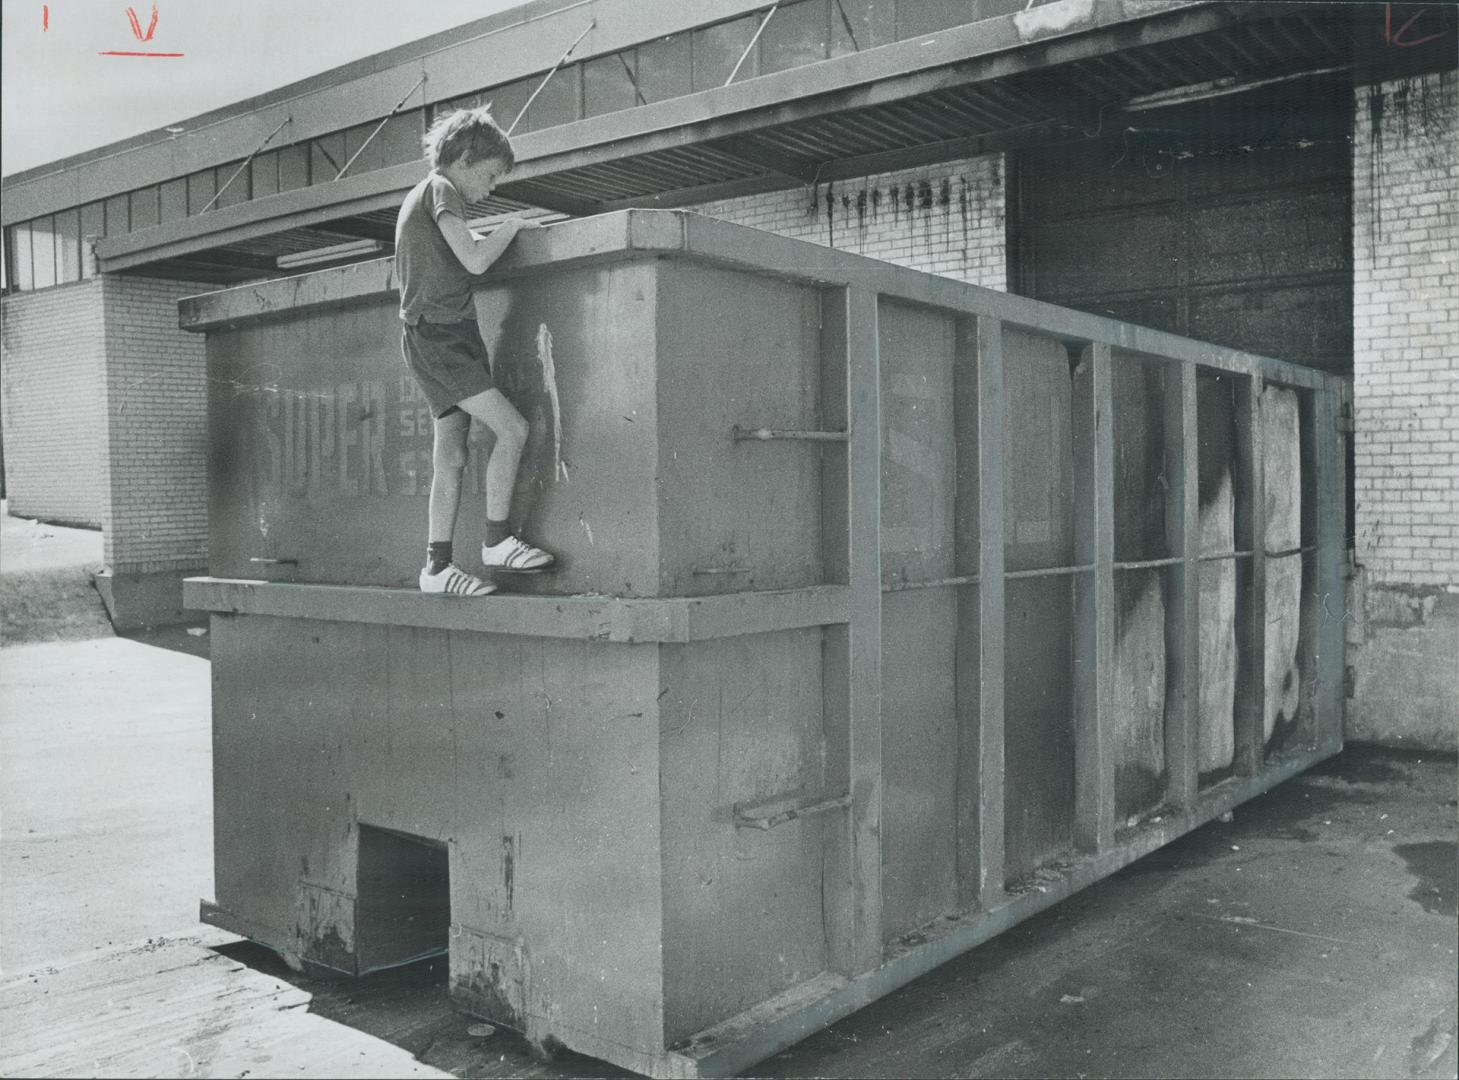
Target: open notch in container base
[{"x": 403, "y": 909}]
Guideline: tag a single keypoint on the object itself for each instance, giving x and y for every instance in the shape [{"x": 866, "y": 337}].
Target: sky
[{"x": 59, "y": 97}]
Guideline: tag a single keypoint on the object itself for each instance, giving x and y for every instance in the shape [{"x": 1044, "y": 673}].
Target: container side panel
[
  {"x": 286, "y": 779},
  {"x": 1139, "y": 437},
  {"x": 532, "y": 761},
  {"x": 742, "y": 907},
  {"x": 575, "y": 352},
  {"x": 1216, "y": 458},
  {"x": 919, "y": 450},
  {"x": 1137, "y": 728},
  {"x": 919, "y": 626},
  {"x": 1038, "y": 643},
  {"x": 919, "y": 759},
  {"x": 1038, "y": 518},
  {"x": 1137, "y": 724},
  {"x": 737, "y": 349},
  {"x": 1039, "y": 726},
  {"x": 321, "y": 443},
  {"x": 1282, "y": 450},
  {"x": 555, "y": 810}
]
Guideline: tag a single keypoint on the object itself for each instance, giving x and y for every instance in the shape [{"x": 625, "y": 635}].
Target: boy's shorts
[{"x": 448, "y": 360}]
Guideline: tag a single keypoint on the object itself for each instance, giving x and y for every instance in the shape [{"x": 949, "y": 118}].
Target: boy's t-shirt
[{"x": 434, "y": 286}]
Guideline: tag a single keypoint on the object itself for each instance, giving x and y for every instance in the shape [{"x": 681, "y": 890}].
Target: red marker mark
[
  {"x": 1390, "y": 37},
  {"x": 45, "y": 17},
  {"x": 140, "y": 35},
  {"x": 137, "y": 26}
]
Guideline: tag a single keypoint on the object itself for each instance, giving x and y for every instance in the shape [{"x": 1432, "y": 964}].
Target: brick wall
[
  {"x": 942, "y": 219},
  {"x": 157, "y": 411},
  {"x": 1406, "y": 331},
  {"x": 1404, "y": 633},
  {"x": 52, "y": 367}
]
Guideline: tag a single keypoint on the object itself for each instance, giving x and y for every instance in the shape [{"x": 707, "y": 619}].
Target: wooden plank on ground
[{"x": 174, "y": 1007}]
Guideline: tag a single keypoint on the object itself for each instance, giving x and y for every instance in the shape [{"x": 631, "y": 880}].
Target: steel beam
[
  {"x": 1250, "y": 719},
  {"x": 1183, "y": 612},
  {"x": 1094, "y": 618},
  {"x": 980, "y": 397},
  {"x": 1059, "y": 32}
]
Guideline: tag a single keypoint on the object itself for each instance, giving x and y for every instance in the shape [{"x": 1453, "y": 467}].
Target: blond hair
[{"x": 467, "y": 136}]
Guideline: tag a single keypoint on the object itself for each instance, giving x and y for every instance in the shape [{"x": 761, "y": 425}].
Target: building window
[
  {"x": 145, "y": 208},
  {"x": 665, "y": 68},
  {"x": 506, "y": 101},
  {"x": 326, "y": 157},
  {"x": 795, "y": 36},
  {"x": 93, "y": 226},
  {"x": 355, "y": 142},
  {"x": 399, "y": 140},
  {"x": 560, "y": 101},
  {"x": 857, "y": 25},
  {"x": 718, "y": 48},
  {"x": 68, "y": 246},
  {"x": 293, "y": 167},
  {"x": 610, "y": 84},
  {"x": 173, "y": 200},
  {"x": 20, "y": 257},
  {"x": 201, "y": 187},
  {"x": 234, "y": 192},
  {"x": 43, "y": 252},
  {"x": 118, "y": 215},
  {"x": 928, "y": 16},
  {"x": 264, "y": 174}
]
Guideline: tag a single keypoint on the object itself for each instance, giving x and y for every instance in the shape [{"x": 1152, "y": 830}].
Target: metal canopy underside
[{"x": 954, "y": 111}]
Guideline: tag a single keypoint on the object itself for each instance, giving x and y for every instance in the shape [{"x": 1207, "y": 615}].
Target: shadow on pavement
[
  {"x": 192, "y": 640},
  {"x": 410, "y": 1007}
]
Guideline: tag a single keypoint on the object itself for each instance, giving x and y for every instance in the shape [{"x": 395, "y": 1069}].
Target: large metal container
[{"x": 891, "y": 611}]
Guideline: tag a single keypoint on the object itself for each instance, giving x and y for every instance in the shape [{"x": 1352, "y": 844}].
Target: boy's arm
[{"x": 478, "y": 253}]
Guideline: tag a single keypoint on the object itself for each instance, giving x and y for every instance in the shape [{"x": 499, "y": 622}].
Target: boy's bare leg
[
  {"x": 500, "y": 550},
  {"x": 448, "y": 461},
  {"x": 510, "y": 429}
]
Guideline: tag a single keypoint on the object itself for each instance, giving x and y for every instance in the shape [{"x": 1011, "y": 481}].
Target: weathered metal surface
[
  {"x": 847, "y": 706},
  {"x": 919, "y": 627},
  {"x": 1282, "y": 452},
  {"x": 1038, "y": 632},
  {"x": 1217, "y": 464},
  {"x": 740, "y": 723},
  {"x": 1095, "y": 643}
]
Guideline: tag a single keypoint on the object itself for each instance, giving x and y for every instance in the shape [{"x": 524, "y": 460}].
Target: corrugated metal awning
[{"x": 987, "y": 86}]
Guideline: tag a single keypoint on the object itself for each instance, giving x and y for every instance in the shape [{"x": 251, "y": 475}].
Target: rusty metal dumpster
[{"x": 891, "y": 611}]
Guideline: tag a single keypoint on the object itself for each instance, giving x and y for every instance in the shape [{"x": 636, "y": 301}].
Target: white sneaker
[
  {"x": 453, "y": 581},
  {"x": 514, "y": 556}
]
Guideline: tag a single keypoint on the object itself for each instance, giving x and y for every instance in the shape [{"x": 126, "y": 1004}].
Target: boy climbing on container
[{"x": 436, "y": 259}]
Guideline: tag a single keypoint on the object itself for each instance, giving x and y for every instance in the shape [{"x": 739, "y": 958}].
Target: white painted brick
[{"x": 1406, "y": 335}]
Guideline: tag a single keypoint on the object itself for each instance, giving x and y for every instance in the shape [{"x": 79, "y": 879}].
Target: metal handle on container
[
  {"x": 766, "y": 434},
  {"x": 767, "y": 815}
]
